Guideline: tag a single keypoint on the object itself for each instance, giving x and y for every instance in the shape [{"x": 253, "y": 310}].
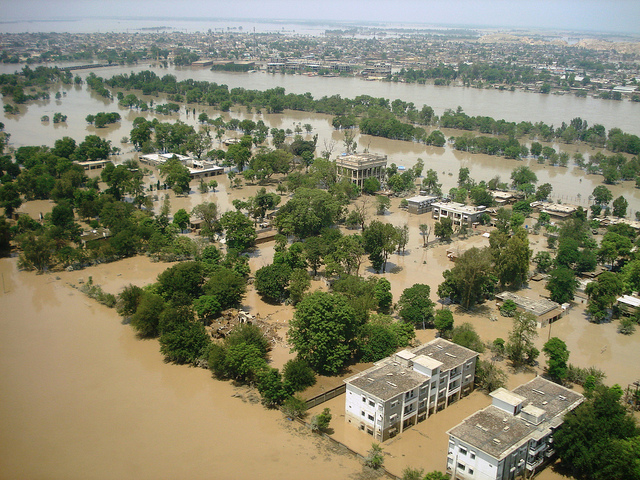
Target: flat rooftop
[
  {"x": 448, "y": 353},
  {"x": 422, "y": 198},
  {"x": 359, "y": 160},
  {"x": 459, "y": 207},
  {"x": 537, "y": 307},
  {"x": 387, "y": 381}
]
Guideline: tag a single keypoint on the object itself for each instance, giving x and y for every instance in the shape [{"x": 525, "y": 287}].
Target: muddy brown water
[{"x": 82, "y": 397}]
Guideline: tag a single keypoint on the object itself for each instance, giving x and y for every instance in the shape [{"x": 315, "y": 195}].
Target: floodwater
[
  {"x": 82, "y": 397},
  {"x": 570, "y": 184}
]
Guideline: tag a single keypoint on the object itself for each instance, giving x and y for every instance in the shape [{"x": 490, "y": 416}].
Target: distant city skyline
[{"x": 607, "y": 16}]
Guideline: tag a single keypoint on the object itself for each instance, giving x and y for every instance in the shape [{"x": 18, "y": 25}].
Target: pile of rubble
[{"x": 222, "y": 326}]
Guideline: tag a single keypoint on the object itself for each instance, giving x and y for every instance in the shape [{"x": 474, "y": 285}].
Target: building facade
[
  {"x": 406, "y": 388},
  {"x": 360, "y": 166},
  {"x": 513, "y": 436},
  {"x": 458, "y": 212},
  {"x": 421, "y": 203}
]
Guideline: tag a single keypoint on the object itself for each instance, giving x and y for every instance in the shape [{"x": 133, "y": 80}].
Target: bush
[
  {"x": 508, "y": 308},
  {"x": 320, "y": 422},
  {"x": 298, "y": 375},
  {"x": 294, "y": 407},
  {"x": 374, "y": 458}
]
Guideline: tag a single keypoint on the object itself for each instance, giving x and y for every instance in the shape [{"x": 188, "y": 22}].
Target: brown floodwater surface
[{"x": 82, "y": 398}]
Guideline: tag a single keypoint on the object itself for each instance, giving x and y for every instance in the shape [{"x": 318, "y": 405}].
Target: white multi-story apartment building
[
  {"x": 512, "y": 435},
  {"x": 406, "y": 388}
]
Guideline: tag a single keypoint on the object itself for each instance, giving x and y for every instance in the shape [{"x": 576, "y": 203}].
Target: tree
[
  {"x": 381, "y": 337},
  {"x": 520, "y": 348},
  {"x": 471, "y": 279},
  {"x": 425, "y": 230},
  {"x": 294, "y": 407},
  {"x": 383, "y": 295},
  {"x": 620, "y": 206},
  {"x": 298, "y": 375},
  {"x": 176, "y": 175},
  {"x": 182, "y": 283},
  {"x": 380, "y": 240},
  {"x": 320, "y": 422},
  {"x": 511, "y": 256},
  {"x": 207, "y": 307},
  {"x": 543, "y": 260},
  {"x": 146, "y": 318},
  {"x": 489, "y": 376},
  {"x": 272, "y": 390},
  {"x": 323, "y": 331},
  {"x": 603, "y": 294},
  {"x": 226, "y": 285},
  {"x": 557, "y": 358},
  {"x": 271, "y": 282},
  {"x": 10, "y": 198},
  {"x": 443, "y": 229},
  {"x": 415, "y": 306},
  {"x": 375, "y": 456},
  {"x": 602, "y": 195},
  {"x": 382, "y": 204},
  {"x": 466, "y": 336},
  {"x": 185, "y": 343},
  {"x": 208, "y": 213},
  {"x": 239, "y": 231},
  {"x": 402, "y": 236},
  {"x": 181, "y": 219},
  {"x": 522, "y": 176},
  {"x": 562, "y": 285},
  {"x": 443, "y": 321},
  {"x": 299, "y": 284},
  {"x": 308, "y": 212},
  {"x": 599, "y": 440},
  {"x": 370, "y": 186}
]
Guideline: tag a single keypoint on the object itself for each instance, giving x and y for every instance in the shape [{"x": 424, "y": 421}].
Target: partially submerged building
[
  {"x": 421, "y": 203},
  {"x": 358, "y": 167},
  {"x": 198, "y": 169},
  {"x": 512, "y": 436},
  {"x": 546, "y": 311},
  {"x": 458, "y": 212},
  {"x": 406, "y": 388}
]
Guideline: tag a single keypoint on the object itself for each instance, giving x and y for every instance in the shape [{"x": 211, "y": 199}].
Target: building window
[
  {"x": 471, "y": 471},
  {"x": 394, "y": 403},
  {"x": 461, "y": 467},
  {"x": 463, "y": 451},
  {"x": 473, "y": 455},
  {"x": 362, "y": 413},
  {"x": 370, "y": 417},
  {"x": 372, "y": 403},
  {"x": 364, "y": 399}
]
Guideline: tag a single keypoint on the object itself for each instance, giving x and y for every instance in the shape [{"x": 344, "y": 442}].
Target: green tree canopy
[
  {"x": 415, "y": 305},
  {"x": 324, "y": 331}
]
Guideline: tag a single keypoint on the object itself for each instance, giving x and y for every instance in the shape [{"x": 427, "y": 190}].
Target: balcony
[
  {"x": 540, "y": 448},
  {"x": 531, "y": 465}
]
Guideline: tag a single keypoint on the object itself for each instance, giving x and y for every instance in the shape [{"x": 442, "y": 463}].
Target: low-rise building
[
  {"x": 546, "y": 311},
  {"x": 421, "y": 203},
  {"x": 358, "y": 167},
  {"x": 512, "y": 436},
  {"x": 458, "y": 212},
  {"x": 401, "y": 390}
]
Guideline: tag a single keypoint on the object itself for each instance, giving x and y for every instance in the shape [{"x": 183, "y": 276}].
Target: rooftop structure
[
  {"x": 514, "y": 433},
  {"x": 401, "y": 390},
  {"x": 358, "y": 167}
]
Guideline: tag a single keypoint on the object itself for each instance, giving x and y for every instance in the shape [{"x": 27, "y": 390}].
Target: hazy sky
[{"x": 598, "y": 15}]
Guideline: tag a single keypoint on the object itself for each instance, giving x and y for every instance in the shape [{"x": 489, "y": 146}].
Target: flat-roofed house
[
  {"x": 513, "y": 436},
  {"x": 401, "y": 390},
  {"x": 546, "y": 311},
  {"x": 421, "y": 203}
]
